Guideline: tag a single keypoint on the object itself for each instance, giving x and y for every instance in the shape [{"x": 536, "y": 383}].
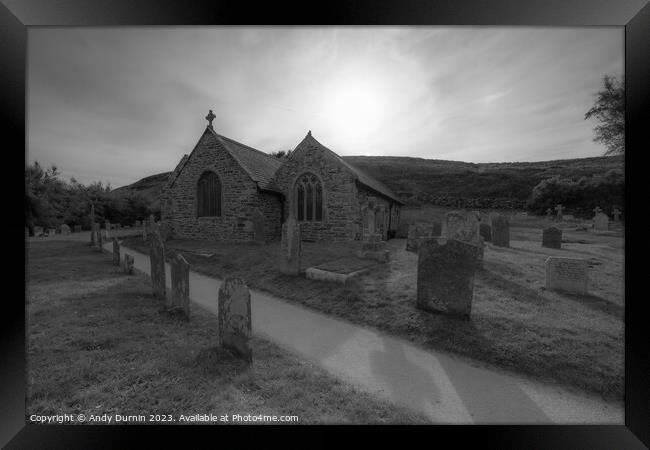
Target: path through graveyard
[{"x": 446, "y": 388}]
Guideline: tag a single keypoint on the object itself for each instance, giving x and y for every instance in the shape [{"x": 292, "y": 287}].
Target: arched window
[
  {"x": 208, "y": 195},
  {"x": 309, "y": 198}
]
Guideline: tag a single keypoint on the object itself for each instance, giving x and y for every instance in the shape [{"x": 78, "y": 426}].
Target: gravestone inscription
[
  {"x": 566, "y": 274},
  {"x": 234, "y": 315},
  {"x": 180, "y": 271}
]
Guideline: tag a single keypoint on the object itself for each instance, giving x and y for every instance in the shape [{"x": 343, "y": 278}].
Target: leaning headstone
[
  {"x": 463, "y": 226},
  {"x": 116, "y": 252},
  {"x": 77, "y": 228},
  {"x": 180, "y": 271},
  {"x": 566, "y": 274},
  {"x": 552, "y": 237},
  {"x": 500, "y": 231},
  {"x": 486, "y": 232},
  {"x": 601, "y": 221},
  {"x": 445, "y": 279},
  {"x": 258, "y": 227},
  {"x": 128, "y": 264},
  {"x": 65, "y": 229},
  {"x": 157, "y": 260},
  {"x": 234, "y": 315},
  {"x": 290, "y": 247}
]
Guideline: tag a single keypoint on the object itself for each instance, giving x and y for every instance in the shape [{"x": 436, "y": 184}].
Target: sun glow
[{"x": 353, "y": 109}]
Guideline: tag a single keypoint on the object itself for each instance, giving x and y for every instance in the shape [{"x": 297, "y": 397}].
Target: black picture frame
[{"x": 17, "y": 15}]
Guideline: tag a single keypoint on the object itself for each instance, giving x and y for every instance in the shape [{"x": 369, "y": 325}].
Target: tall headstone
[
  {"x": 128, "y": 264},
  {"x": 234, "y": 315},
  {"x": 566, "y": 274},
  {"x": 559, "y": 209},
  {"x": 100, "y": 239},
  {"x": 552, "y": 237},
  {"x": 258, "y": 227},
  {"x": 180, "y": 271},
  {"x": 107, "y": 226},
  {"x": 157, "y": 259},
  {"x": 601, "y": 221},
  {"x": 93, "y": 233},
  {"x": 486, "y": 232},
  {"x": 463, "y": 226},
  {"x": 291, "y": 247},
  {"x": 500, "y": 231},
  {"x": 445, "y": 279},
  {"x": 65, "y": 229},
  {"x": 116, "y": 252}
]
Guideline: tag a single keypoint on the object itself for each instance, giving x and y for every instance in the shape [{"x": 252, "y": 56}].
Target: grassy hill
[
  {"x": 434, "y": 181},
  {"x": 149, "y": 187}
]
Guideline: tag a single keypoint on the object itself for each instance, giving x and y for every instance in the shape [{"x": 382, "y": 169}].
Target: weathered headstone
[
  {"x": 93, "y": 233},
  {"x": 291, "y": 247},
  {"x": 38, "y": 231},
  {"x": 559, "y": 209},
  {"x": 552, "y": 237},
  {"x": 157, "y": 260},
  {"x": 180, "y": 271},
  {"x": 566, "y": 274},
  {"x": 601, "y": 221},
  {"x": 77, "y": 228},
  {"x": 549, "y": 213},
  {"x": 258, "y": 227},
  {"x": 128, "y": 264},
  {"x": 107, "y": 226},
  {"x": 617, "y": 214},
  {"x": 234, "y": 315},
  {"x": 486, "y": 232},
  {"x": 65, "y": 229},
  {"x": 500, "y": 231},
  {"x": 100, "y": 239},
  {"x": 462, "y": 226},
  {"x": 419, "y": 231},
  {"x": 445, "y": 279},
  {"x": 116, "y": 252}
]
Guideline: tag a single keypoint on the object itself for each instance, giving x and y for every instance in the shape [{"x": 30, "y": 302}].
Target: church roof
[
  {"x": 360, "y": 175},
  {"x": 260, "y": 166}
]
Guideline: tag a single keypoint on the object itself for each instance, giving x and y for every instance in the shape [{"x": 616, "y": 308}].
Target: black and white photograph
[{"x": 325, "y": 225}]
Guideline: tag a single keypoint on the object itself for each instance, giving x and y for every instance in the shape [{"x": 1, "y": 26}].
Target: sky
[{"x": 119, "y": 104}]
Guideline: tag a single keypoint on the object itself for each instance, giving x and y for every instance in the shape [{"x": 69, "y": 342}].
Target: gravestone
[
  {"x": 107, "y": 226},
  {"x": 100, "y": 239},
  {"x": 486, "y": 232},
  {"x": 419, "y": 231},
  {"x": 559, "y": 209},
  {"x": 552, "y": 237},
  {"x": 138, "y": 223},
  {"x": 566, "y": 274},
  {"x": 180, "y": 271},
  {"x": 116, "y": 252},
  {"x": 77, "y": 228},
  {"x": 290, "y": 247},
  {"x": 65, "y": 229},
  {"x": 601, "y": 221},
  {"x": 93, "y": 233},
  {"x": 128, "y": 264},
  {"x": 38, "y": 231},
  {"x": 549, "y": 213},
  {"x": 258, "y": 227},
  {"x": 463, "y": 226},
  {"x": 144, "y": 230},
  {"x": 157, "y": 259},
  {"x": 445, "y": 279},
  {"x": 234, "y": 315},
  {"x": 500, "y": 231},
  {"x": 617, "y": 214},
  {"x": 373, "y": 247}
]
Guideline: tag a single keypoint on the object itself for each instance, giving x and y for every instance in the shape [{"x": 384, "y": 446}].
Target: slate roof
[
  {"x": 360, "y": 175},
  {"x": 260, "y": 166}
]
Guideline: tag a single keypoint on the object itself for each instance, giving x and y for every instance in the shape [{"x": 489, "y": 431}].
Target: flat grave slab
[{"x": 340, "y": 270}]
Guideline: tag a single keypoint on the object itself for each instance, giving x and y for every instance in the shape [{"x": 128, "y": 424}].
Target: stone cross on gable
[{"x": 210, "y": 117}]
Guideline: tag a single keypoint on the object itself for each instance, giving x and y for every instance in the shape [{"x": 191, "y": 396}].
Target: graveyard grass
[
  {"x": 99, "y": 343},
  {"x": 517, "y": 325}
]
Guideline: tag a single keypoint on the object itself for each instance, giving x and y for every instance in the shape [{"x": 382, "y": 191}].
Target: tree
[
  {"x": 609, "y": 110},
  {"x": 281, "y": 154}
]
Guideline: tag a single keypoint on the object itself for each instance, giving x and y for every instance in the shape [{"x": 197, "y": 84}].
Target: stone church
[{"x": 228, "y": 191}]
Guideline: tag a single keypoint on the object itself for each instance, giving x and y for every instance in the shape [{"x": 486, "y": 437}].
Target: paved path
[{"x": 446, "y": 388}]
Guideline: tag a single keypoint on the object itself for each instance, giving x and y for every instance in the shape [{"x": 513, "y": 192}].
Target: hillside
[{"x": 437, "y": 181}]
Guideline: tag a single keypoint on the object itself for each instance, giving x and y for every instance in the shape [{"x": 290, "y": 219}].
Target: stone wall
[{"x": 240, "y": 197}]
